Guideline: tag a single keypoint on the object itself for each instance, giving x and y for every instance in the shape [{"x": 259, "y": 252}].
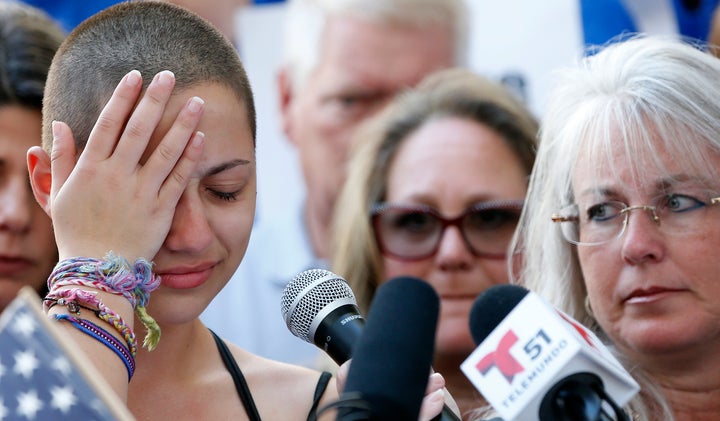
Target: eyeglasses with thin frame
[
  {"x": 414, "y": 232},
  {"x": 675, "y": 214}
]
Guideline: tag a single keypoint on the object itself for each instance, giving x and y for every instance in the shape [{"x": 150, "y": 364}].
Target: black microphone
[
  {"x": 393, "y": 358},
  {"x": 319, "y": 307},
  {"x": 536, "y": 362}
]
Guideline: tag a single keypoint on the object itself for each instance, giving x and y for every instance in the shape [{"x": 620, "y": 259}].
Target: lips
[
  {"x": 10, "y": 265},
  {"x": 186, "y": 277},
  {"x": 645, "y": 295},
  {"x": 458, "y": 296}
]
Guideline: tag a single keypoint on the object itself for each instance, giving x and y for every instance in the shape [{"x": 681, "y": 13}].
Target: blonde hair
[{"x": 453, "y": 92}]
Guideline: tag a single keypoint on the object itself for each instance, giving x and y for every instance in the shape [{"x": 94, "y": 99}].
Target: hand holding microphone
[
  {"x": 433, "y": 402},
  {"x": 535, "y": 362},
  {"x": 391, "y": 361}
]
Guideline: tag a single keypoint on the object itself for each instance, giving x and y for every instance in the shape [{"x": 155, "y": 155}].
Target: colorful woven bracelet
[
  {"x": 104, "y": 337},
  {"x": 115, "y": 275},
  {"x": 77, "y": 298}
]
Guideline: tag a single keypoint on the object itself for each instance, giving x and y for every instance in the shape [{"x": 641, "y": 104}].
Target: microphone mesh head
[{"x": 307, "y": 294}]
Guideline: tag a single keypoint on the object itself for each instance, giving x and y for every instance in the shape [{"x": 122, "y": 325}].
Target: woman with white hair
[{"x": 621, "y": 225}]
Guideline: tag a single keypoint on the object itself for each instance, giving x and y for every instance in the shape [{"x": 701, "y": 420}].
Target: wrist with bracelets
[
  {"x": 112, "y": 275},
  {"x": 77, "y": 298},
  {"x": 104, "y": 337}
]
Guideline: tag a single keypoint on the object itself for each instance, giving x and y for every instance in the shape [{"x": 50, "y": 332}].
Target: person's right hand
[
  {"x": 433, "y": 402},
  {"x": 109, "y": 200}
]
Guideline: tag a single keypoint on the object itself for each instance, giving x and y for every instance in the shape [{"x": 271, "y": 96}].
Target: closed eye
[{"x": 227, "y": 196}]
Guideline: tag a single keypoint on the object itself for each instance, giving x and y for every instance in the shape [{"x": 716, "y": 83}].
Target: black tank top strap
[
  {"x": 319, "y": 390},
  {"x": 238, "y": 378}
]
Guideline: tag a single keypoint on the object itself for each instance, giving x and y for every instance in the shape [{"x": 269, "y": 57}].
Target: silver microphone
[{"x": 319, "y": 307}]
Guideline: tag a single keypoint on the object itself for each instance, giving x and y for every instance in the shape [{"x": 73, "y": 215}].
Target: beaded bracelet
[
  {"x": 104, "y": 337},
  {"x": 72, "y": 306},
  {"x": 115, "y": 275},
  {"x": 77, "y": 298}
]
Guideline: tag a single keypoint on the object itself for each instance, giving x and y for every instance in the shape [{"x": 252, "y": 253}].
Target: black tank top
[{"x": 244, "y": 391}]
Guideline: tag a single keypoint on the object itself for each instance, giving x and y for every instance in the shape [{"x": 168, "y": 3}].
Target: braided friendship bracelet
[
  {"x": 115, "y": 275},
  {"x": 90, "y": 283},
  {"x": 104, "y": 337},
  {"x": 77, "y": 298}
]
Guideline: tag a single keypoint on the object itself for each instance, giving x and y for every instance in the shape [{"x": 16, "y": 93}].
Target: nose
[
  {"x": 642, "y": 240},
  {"x": 16, "y": 205},
  {"x": 190, "y": 230},
  {"x": 651, "y": 211},
  {"x": 453, "y": 253}
]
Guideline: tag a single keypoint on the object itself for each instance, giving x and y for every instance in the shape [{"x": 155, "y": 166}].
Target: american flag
[{"x": 42, "y": 378}]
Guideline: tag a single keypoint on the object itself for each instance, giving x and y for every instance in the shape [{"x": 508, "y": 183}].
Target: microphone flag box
[{"x": 533, "y": 348}]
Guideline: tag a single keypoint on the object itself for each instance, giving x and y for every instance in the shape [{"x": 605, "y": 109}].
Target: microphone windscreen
[
  {"x": 392, "y": 361},
  {"x": 491, "y": 307},
  {"x": 310, "y": 293}
]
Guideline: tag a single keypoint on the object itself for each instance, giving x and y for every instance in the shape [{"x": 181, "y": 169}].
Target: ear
[
  {"x": 285, "y": 100},
  {"x": 38, "y": 162}
]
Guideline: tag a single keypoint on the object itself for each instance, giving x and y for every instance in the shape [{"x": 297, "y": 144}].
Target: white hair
[
  {"x": 306, "y": 19},
  {"x": 650, "y": 93}
]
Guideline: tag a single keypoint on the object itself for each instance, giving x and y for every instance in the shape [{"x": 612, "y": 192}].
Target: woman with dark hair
[{"x": 28, "y": 41}]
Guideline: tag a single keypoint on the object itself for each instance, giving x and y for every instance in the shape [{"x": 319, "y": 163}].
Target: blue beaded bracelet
[{"x": 104, "y": 337}]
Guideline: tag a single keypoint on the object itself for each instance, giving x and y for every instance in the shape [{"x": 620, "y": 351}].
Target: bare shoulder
[{"x": 280, "y": 390}]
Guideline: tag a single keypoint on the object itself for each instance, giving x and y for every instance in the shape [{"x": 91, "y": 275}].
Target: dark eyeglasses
[{"x": 410, "y": 232}]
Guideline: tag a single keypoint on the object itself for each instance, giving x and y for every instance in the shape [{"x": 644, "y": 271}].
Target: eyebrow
[
  {"x": 227, "y": 165},
  {"x": 605, "y": 191},
  {"x": 660, "y": 185}
]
